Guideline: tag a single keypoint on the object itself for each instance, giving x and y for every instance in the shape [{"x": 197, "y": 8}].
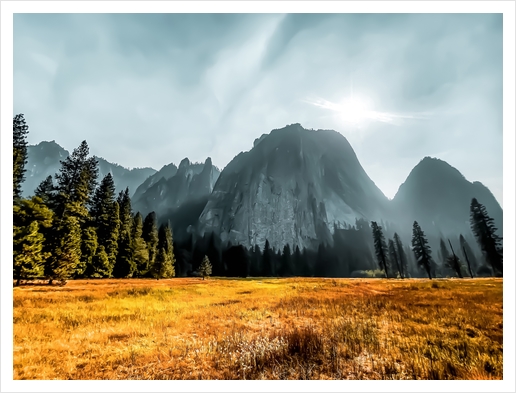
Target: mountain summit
[
  {"x": 293, "y": 187},
  {"x": 438, "y": 197},
  {"x": 170, "y": 187}
]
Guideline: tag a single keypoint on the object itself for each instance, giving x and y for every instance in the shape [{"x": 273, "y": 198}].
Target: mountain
[
  {"x": 166, "y": 172},
  {"x": 170, "y": 188},
  {"x": 43, "y": 160},
  {"x": 294, "y": 186},
  {"x": 438, "y": 197},
  {"x": 124, "y": 177}
]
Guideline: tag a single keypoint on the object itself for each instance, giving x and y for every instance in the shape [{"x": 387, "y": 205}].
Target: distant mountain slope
[
  {"x": 164, "y": 173},
  {"x": 438, "y": 196},
  {"x": 169, "y": 188},
  {"x": 43, "y": 160},
  {"x": 292, "y": 187}
]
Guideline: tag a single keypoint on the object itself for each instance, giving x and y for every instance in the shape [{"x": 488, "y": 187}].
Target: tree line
[
  {"x": 392, "y": 259},
  {"x": 73, "y": 227}
]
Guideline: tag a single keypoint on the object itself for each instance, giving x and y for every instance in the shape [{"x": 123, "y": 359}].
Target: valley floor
[{"x": 260, "y": 328}]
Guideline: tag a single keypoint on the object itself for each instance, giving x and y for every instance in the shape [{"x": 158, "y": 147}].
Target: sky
[{"x": 146, "y": 90}]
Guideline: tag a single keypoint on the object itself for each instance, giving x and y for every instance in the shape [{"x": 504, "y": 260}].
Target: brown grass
[{"x": 260, "y": 329}]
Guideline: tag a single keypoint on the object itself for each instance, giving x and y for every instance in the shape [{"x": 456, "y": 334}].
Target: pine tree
[
  {"x": 485, "y": 231},
  {"x": 89, "y": 245},
  {"x": 169, "y": 249},
  {"x": 76, "y": 182},
  {"x": 205, "y": 268},
  {"x": 140, "y": 251},
  {"x": 380, "y": 248},
  {"x": 165, "y": 260},
  {"x": 125, "y": 265},
  {"x": 106, "y": 219},
  {"x": 421, "y": 249},
  {"x": 30, "y": 217},
  {"x": 101, "y": 265},
  {"x": 28, "y": 258},
  {"x": 20, "y": 131},
  {"x": 67, "y": 253},
  {"x": 401, "y": 255},
  {"x": 150, "y": 235},
  {"x": 393, "y": 256},
  {"x": 46, "y": 191}
]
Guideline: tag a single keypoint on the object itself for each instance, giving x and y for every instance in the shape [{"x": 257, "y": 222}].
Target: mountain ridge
[
  {"x": 294, "y": 186},
  {"x": 43, "y": 159}
]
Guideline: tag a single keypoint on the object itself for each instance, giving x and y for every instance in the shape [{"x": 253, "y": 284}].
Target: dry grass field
[{"x": 260, "y": 329}]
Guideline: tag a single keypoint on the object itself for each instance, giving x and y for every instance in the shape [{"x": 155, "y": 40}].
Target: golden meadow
[{"x": 260, "y": 328}]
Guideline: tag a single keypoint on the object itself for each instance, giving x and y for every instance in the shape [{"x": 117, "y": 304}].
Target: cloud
[{"x": 150, "y": 89}]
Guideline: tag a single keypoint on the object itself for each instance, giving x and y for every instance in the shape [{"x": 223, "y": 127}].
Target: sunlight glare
[{"x": 355, "y": 110}]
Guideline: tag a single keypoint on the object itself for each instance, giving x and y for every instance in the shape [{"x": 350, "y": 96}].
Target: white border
[{"x": 509, "y": 103}]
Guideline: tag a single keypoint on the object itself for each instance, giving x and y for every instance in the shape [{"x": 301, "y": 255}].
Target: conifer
[{"x": 421, "y": 249}]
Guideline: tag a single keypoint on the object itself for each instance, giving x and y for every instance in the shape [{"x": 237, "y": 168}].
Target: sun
[{"x": 355, "y": 110}]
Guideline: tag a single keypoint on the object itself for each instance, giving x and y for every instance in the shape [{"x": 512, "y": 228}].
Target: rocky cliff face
[
  {"x": 164, "y": 173},
  {"x": 189, "y": 182},
  {"x": 438, "y": 197},
  {"x": 292, "y": 187},
  {"x": 44, "y": 159}
]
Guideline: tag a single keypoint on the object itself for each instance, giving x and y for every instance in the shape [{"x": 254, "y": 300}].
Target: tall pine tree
[
  {"x": 20, "y": 131},
  {"x": 150, "y": 235},
  {"x": 46, "y": 191},
  {"x": 89, "y": 246},
  {"x": 140, "y": 251},
  {"x": 165, "y": 260},
  {"x": 380, "y": 248},
  {"x": 76, "y": 182},
  {"x": 485, "y": 231},
  {"x": 106, "y": 219},
  {"x": 125, "y": 265},
  {"x": 421, "y": 249},
  {"x": 66, "y": 256}
]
